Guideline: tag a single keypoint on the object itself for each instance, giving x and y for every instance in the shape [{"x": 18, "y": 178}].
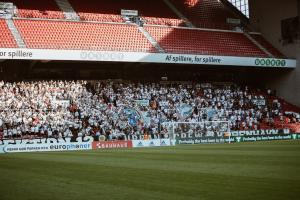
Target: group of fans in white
[{"x": 121, "y": 109}]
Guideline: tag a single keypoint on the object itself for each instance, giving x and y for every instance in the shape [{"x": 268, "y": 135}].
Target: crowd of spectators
[{"x": 121, "y": 109}]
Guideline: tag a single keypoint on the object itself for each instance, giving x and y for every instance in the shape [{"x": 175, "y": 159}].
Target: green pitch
[{"x": 264, "y": 170}]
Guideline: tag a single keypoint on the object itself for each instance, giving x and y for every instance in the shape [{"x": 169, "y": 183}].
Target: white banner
[
  {"x": 129, "y": 12},
  {"x": 63, "y": 103},
  {"x": 79, "y": 55},
  {"x": 143, "y": 102},
  {"x": 151, "y": 143},
  {"x": 17, "y": 146},
  {"x": 2, "y": 149},
  {"x": 259, "y": 102}
]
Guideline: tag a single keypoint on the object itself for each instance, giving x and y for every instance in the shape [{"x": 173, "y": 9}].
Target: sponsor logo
[
  {"x": 70, "y": 146},
  {"x": 112, "y": 144},
  {"x": 163, "y": 143},
  {"x": 294, "y": 136},
  {"x": 268, "y": 62},
  {"x": 140, "y": 144},
  {"x": 105, "y": 56},
  {"x": 151, "y": 144},
  {"x": 238, "y": 139}
]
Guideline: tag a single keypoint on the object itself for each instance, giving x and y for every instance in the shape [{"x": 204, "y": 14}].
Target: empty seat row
[
  {"x": 47, "y": 34},
  {"x": 6, "y": 38},
  {"x": 47, "y": 9},
  {"x": 155, "y": 11},
  {"x": 205, "y": 13},
  {"x": 261, "y": 40},
  {"x": 183, "y": 40},
  {"x": 86, "y": 36}
]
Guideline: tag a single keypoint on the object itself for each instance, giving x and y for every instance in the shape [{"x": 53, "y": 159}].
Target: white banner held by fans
[
  {"x": 142, "y": 102},
  {"x": 115, "y": 56},
  {"x": 63, "y": 103}
]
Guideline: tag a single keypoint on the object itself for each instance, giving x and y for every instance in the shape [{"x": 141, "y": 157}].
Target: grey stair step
[
  {"x": 67, "y": 9},
  {"x": 13, "y": 29},
  {"x": 151, "y": 40}
]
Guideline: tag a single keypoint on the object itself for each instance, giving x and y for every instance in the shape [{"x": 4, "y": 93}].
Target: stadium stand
[
  {"x": 154, "y": 12},
  {"x": 173, "y": 40},
  {"x": 6, "y": 38},
  {"x": 205, "y": 13},
  {"x": 185, "y": 41},
  {"x": 47, "y": 9},
  {"x": 108, "y": 108},
  {"x": 30, "y": 108},
  {"x": 45, "y": 34},
  {"x": 261, "y": 40}
]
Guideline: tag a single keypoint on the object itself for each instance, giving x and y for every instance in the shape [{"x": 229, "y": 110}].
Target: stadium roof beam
[{"x": 179, "y": 14}]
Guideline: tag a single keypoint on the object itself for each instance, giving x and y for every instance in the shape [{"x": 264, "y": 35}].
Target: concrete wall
[{"x": 266, "y": 16}]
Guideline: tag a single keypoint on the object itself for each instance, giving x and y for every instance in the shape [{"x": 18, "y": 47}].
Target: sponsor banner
[
  {"x": 281, "y": 132},
  {"x": 296, "y": 136},
  {"x": 2, "y": 149},
  {"x": 237, "y": 136},
  {"x": 15, "y": 148},
  {"x": 201, "y": 140},
  {"x": 38, "y": 145},
  {"x": 118, "y": 144},
  {"x": 265, "y": 138},
  {"x": 263, "y": 135},
  {"x": 151, "y": 143},
  {"x": 165, "y": 142},
  {"x": 150, "y": 137},
  {"x": 79, "y": 55}
]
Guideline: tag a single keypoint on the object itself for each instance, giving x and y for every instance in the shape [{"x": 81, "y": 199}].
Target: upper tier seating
[
  {"x": 191, "y": 41},
  {"x": 205, "y": 13},
  {"x": 45, "y": 34},
  {"x": 47, "y": 9},
  {"x": 260, "y": 39},
  {"x": 6, "y": 38},
  {"x": 153, "y": 12}
]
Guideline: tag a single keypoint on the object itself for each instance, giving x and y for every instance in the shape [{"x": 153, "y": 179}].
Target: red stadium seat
[
  {"x": 47, "y": 9},
  {"x": 260, "y": 39},
  {"x": 192, "y": 41},
  {"x": 154, "y": 12},
  {"x": 6, "y": 38},
  {"x": 86, "y": 36},
  {"x": 205, "y": 13}
]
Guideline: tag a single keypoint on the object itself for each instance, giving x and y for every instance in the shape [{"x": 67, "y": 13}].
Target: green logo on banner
[
  {"x": 270, "y": 62},
  {"x": 238, "y": 139},
  {"x": 294, "y": 136}
]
